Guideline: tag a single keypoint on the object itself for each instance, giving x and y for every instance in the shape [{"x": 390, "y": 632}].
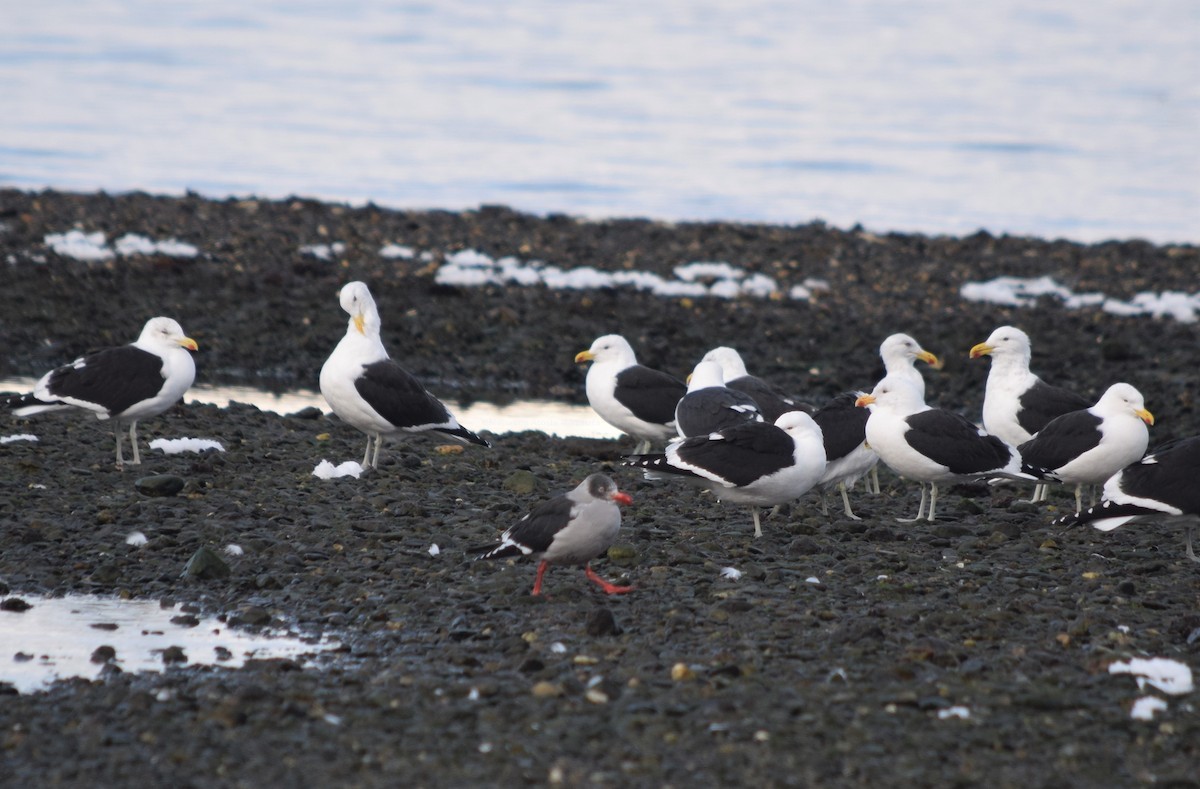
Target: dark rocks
[
  {"x": 159, "y": 485},
  {"x": 14, "y": 604},
  {"x": 206, "y": 565}
]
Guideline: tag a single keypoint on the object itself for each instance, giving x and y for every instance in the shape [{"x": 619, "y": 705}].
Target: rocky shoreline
[{"x": 974, "y": 650}]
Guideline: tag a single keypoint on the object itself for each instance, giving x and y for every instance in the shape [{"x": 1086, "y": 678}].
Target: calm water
[{"x": 1049, "y": 118}]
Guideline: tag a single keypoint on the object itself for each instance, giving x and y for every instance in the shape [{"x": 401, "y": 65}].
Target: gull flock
[{"x": 724, "y": 430}]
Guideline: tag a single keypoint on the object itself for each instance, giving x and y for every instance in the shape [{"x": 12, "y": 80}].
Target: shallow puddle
[
  {"x": 547, "y": 416},
  {"x": 58, "y": 638}
]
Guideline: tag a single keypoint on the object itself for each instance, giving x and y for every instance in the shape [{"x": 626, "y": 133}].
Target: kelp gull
[
  {"x": 635, "y": 399},
  {"x": 1016, "y": 403},
  {"x": 1089, "y": 446},
  {"x": 847, "y": 456},
  {"x": 900, "y": 354},
  {"x": 374, "y": 394},
  {"x": 571, "y": 528},
  {"x": 125, "y": 384},
  {"x": 771, "y": 400},
  {"x": 710, "y": 405},
  {"x": 1160, "y": 486},
  {"x": 932, "y": 445},
  {"x": 755, "y": 463}
]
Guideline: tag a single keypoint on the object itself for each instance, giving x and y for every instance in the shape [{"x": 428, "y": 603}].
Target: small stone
[
  {"x": 15, "y": 604},
  {"x": 104, "y": 654},
  {"x": 681, "y": 672},
  {"x": 602, "y": 623},
  {"x": 253, "y": 616},
  {"x": 449, "y": 449},
  {"x": 521, "y": 482},
  {"x": 185, "y": 620},
  {"x": 622, "y": 554},
  {"x": 547, "y": 690},
  {"x": 206, "y": 565},
  {"x": 308, "y": 412},
  {"x": 596, "y": 696},
  {"x": 174, "y": 655},
  {"x": 159, "y": 485}
]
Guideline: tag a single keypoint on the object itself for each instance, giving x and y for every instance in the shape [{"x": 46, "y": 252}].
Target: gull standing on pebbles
[
  {"x": 125, "y": 384},
  {"x": 635, "y": 399},
  {"x": 1089, "y": 446},
  {"x": 571, "y": 528},
  {"x": 932, "y": 445},
  {"x": 374, "y": 394},
  {"x": 755, "y": 463}
]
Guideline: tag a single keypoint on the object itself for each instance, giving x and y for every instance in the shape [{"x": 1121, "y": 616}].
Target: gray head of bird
[{"x": 601, "y": 486}]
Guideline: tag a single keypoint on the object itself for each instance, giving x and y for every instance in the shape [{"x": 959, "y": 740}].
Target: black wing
[
  {"x": 715, "y": 408},
  {"x": 1042, "y": 402},
  {"x": 650, "y": 394},
  {"x": 398, "y": 397},
  {"x": 744, "y": 454},
  {"x": 1168, "y": 474},
  {"x": 114, "y": 379},
  {"x": 952, "y": 440},
  {"x": 537, "y": 529},
  {"x": 771, "y": 400},
  {"x": 1063, "y": 439},
  {"x": 843, "y": 425}
]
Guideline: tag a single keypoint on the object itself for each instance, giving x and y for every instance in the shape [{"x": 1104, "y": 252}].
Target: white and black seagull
[
  {"x": 1160, "y": 486},
  {"x": 374, "y": 394},
  {"x": 635, "y": 399},
  {"x": 847, "y": 456},
  {"x": 770, "y": 399},
  {"x": 125, "y": 384},
  {"x": 932, "y": 445},
  {"x": 1016, "y": 403},
  {"x": 571, "y": 528},
  {"x": 710, "y": 405},
  {"x": 755, "y": 463},
  {"x": 1089, "y": 446}
]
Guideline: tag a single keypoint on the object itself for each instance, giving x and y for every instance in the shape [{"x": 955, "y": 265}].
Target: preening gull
[
  {"x": 1089, "y": 446},
  {"x": 932, "y": 445},
  {"x": 635, "y": 399},
  {"x": 710, "y": 405},
  {"x": 770, "y": 399},
  {"x": 374, "y": 394},
  {"x": 125, "y": 384},
  {"x": 755, "y": 463},
  {"x": 571, "y": 528}
]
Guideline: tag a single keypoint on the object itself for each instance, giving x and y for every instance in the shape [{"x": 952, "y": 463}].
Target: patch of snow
[
  {"x": 1024, "y": 292},
  {"x": 323, "y": 251},
  {"x": 233, "y": 549},
  {"x": 79, "y": 245},
  {"x": 732, "y": 573},
  {"x": 326, "y": 470},
  {"x": 176, "y": 446},
  {"x": 434, "y": 550},
  {"x": 18, "y": 437},
  {"x": 812, "y": 579},
  {"x": 954, "y": 712},
  {"x": 1169, "y": 676},
  {"x": 133, "y": 244},
  {"x": 393, "y": 251},
  {"x": 136, "y": 539},
  {"x": 1145, "y": 707}
]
